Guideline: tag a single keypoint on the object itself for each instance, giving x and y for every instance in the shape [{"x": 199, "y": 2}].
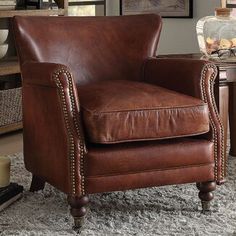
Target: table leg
[
  {"x": 232, "y": 118},
  {"x": 224, "y": 110}
]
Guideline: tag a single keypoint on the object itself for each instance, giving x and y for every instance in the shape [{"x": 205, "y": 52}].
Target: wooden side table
[{"x": 225, "y": 92}]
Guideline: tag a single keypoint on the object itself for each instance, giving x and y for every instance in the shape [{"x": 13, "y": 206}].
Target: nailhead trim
[
  {"x": 215, "y": 139},
  {"x": 82, "y": 148}
]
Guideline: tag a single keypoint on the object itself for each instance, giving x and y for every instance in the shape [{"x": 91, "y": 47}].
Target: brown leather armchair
[{"x": 101, "y": 113}]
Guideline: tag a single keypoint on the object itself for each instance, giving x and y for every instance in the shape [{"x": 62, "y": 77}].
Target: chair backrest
[{"x": 94, "y": 48}]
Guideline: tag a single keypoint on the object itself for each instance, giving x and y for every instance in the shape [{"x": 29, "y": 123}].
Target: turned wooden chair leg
[
  {"x": 78, "y": 209},
  {"x": 37, "y": 184},
  {"x": 205, "y": 194}
]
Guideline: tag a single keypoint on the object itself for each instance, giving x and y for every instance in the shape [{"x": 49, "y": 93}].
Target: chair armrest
[
  {"x": 195, "y": 78},
  {"x": 54, "y": 145},
  {"x": 40, "y": 73},
  {"x": 180, "y": 75}
]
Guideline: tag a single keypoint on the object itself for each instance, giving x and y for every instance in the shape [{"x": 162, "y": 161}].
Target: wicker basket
[{"x": 10, "y": 106}]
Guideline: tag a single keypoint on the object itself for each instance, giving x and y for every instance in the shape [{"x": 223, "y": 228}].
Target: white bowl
[
  {"x": 3, "y": 50},
  {"x": 3, "y": 35}
]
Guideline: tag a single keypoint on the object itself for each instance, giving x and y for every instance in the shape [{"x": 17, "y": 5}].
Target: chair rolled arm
[
  {"x": 52, "y": 126},
  {"x": 194, "y": 78},
  {"x": 41, "y": 73},
  {"x": 181, "y": 75}
]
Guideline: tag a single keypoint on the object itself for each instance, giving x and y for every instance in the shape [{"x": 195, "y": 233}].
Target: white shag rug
[{"x": 169, "y": 210}]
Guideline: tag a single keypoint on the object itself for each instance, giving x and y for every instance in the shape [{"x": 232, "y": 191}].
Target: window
[{"x": 87, "y": 8}]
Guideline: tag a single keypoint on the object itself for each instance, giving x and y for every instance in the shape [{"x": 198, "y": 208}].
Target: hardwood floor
[{"x": 11, "y": 143}]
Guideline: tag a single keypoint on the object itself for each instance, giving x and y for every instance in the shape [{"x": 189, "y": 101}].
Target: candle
[
  {"x": 5, "y": 163},
  {"x": 223, "y": 3}
]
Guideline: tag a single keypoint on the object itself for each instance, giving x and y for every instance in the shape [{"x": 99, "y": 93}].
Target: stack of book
[
  {"x": 10, "y": 194},
  {"x": 7, "y": 5}
]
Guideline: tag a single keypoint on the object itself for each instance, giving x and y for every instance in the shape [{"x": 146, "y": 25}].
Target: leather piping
[
  {"x": 150, "y": 139},
  {"x": 145, "y": 109}
]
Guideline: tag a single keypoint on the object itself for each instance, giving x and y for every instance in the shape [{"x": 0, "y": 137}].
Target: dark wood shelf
[
  {"x": 41, "y": 12},
  {"x": 11, "y": 127},
  {"x": 9, "y": 66}
]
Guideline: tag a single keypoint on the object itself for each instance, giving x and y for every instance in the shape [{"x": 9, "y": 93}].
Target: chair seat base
[{"x": 188, "y": 174}]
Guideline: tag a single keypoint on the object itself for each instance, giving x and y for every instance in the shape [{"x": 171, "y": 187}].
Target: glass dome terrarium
[{"x": 217, "y": 35}]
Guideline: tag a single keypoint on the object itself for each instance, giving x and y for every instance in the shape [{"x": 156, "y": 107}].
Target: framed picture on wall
[
  {"x": 166, "y": 8},
  {"x": 231, "y": 4}
]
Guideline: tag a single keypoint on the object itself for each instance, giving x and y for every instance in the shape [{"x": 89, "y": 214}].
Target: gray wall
[{"x": 178, "y": 35}]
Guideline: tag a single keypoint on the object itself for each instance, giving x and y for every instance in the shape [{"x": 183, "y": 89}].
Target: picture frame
[
  {"x": 231, "y": 4},
  {"x": 166, "y": 8}
]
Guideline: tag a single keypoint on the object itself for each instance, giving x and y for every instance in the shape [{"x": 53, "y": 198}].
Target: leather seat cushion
[{"x": 121, "y": 111}]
